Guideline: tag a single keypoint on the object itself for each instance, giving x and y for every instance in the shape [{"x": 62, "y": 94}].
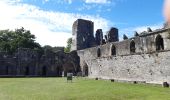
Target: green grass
[{"x": 80, "y": 89}]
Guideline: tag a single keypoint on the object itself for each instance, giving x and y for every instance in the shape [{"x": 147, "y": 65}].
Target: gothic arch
[
  {"x": 27, "y": 70},
  {"x": 69, "y": 67},
  {"x": 113, "y": 50},
  {"x": 98, "y": 52},
  {"x": 159, "y": 43},
  {"x": 44, "y": 71},
  {"x": 85, "y": 69},
  {"x": 7, "y": 70},
  {"x": 132, "y": 47}
]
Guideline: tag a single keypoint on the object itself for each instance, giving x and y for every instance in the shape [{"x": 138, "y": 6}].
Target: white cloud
[
  {"x": 52, "y": 28},
  {"x": 57, "y": 1},
  {"x": 98, "y": 1}
]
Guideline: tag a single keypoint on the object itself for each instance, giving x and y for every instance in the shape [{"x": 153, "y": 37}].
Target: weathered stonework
[
  {"x": 143, "y": 58},
  {"x": 112, "y": 35},
  {"x": 27, "y": 62},
  {"x": 82, "y": 35},
  {"x": 99, "y": 37}
]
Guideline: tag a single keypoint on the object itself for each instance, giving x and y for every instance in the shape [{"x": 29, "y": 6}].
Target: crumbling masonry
[
  {"x": 28, "y": 63},
  {"x": 143, "y": 58}
]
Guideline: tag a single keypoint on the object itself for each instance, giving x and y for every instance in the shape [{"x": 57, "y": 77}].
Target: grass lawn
[{"x": 80, "y": 89}]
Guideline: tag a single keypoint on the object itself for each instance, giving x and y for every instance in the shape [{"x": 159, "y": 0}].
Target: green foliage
[
  {"x": 80, "y": 89},
  {"x": 68, "y": 47},
  {"x": 52, "y": 49},
  {"x": 10, "y": 41}
]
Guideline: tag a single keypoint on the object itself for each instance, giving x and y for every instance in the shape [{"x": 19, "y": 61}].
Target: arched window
[
  {"x": 132, "y": 47},
  {"x": 159, "y": 43},
  {"x": 98, "y": 52},
  {"x": 113, "y": 50}
]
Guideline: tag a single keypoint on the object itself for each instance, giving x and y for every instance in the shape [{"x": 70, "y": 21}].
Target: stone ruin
[
  {"x": 143, "y": 58},
  {"x": 27, "y": 62},
  {"x": 83, "y": 36}
]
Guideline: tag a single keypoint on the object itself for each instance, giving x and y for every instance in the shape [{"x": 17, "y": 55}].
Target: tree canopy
[
  {"x": 67, "y": 49},
  {"x": 10, "y": 41}
]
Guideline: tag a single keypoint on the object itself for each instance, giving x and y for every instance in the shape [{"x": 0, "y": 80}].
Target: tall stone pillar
[{"x": 82, "y": 32}]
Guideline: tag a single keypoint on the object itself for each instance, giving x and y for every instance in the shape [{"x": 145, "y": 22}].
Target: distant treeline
[{"x": 11, "y": 40}]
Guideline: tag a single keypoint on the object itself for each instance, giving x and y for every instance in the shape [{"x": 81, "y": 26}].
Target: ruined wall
[
  {"x": 141, "y": 62},
  {"x": 27, "y": 62},
  {"x": 82, "y": 32}
]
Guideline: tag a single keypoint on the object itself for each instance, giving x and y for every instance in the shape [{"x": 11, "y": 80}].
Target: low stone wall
[{"x": 149, "y": 68}]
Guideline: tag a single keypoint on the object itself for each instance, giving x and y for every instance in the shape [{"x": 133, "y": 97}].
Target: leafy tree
[
  {"x": 57, "y": 49},
  {"x": 10, "y": 41},
  {"x": 48, "y": 48},
  {"x": 67, "y": 49}
]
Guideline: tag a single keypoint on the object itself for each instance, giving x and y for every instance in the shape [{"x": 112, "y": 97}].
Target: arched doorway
[
  {"x": 69, "y": 68},
  {"x": 132, "y": 47},
  {"x": 98, "y": 52},
  {"x": 159, "y": 43},
  {"x": 58, "y": 71},
  {"x": 113, "y": 50},
  {"x": 44, "y": 71},
  {"x": 86, "y": 71},
  {"x": 6, "y": 70},
  {"x": 27, "y": 71}
]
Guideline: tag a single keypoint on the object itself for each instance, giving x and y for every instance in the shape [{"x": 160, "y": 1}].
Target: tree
[
  {"x": 67, "y": 49},
  {"x": 53, "y": 49},
  {"x": 10, "y": 41}
]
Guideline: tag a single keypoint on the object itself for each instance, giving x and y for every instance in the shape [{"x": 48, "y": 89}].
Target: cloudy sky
[{"x": 51, "y": 20}]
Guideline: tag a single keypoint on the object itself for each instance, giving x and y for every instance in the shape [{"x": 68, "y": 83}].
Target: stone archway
[
  {"x": 44, "y": 71},
  {"x": 6, "y": 70},
  {"x": 27, "y": 71},
  {"x": 132, "y": 47},
  {"x": 86, "y": 70},
  {"x": 59, "y": 71},
  {"x": 69, "y": 68},
  {"x": 98, "y": 52},
  {"x": 113, "y": 50}
]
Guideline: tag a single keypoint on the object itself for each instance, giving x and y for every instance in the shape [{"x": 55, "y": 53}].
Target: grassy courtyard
[{"x": 80, "y": 89}]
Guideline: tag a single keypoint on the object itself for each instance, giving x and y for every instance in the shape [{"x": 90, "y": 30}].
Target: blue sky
[{"x": 51, "y": 20}]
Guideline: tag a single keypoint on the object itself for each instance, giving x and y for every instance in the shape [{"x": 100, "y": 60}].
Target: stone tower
[
  {"x": 82, "y": 34},
  {"x": 113, "y": 35},
  {"x": 99, "y": 37}
]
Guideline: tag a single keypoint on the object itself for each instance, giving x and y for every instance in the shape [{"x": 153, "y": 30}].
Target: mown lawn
[{"x": 80, "y": 89}]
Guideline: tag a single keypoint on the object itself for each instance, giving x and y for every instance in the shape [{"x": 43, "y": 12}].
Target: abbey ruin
[
  {"x": 142, "y": 58},
  {"x": 28, "y": 63}
]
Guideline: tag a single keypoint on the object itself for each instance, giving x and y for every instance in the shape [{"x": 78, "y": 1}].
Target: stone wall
[
  {"x": 27, "y": 62},
  {"x": 140, "y": 58},
  {"x": 83, "y": 36}
]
